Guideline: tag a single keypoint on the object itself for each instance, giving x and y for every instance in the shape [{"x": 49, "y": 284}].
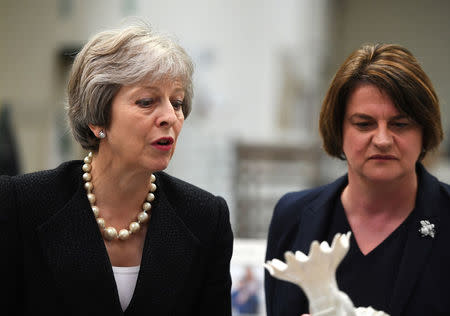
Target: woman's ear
[{"x": 98, "y": 131}]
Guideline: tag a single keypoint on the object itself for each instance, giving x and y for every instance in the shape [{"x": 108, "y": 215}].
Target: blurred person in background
[
  {"x": 113, "y": 234},
  {"x": 244, "y": 298},
  {"x": 380, "y": 114},
  {"x": 9, "y": 160}
]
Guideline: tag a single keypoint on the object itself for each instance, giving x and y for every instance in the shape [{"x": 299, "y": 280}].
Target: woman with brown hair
[{"x": 380, "y": 114}]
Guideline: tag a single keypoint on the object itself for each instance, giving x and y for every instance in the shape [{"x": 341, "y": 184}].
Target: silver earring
[{"x": 101, "y": 134}]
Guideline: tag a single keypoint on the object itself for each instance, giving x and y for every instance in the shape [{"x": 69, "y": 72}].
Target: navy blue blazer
[
  {"x": 57, "y": 264},
  {"x": 423, "y": 284}
]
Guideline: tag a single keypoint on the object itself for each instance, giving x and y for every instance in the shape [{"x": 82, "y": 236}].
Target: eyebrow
[
  {"x": 368, "y": 117},
  {"x": 138, "y": 90},
  {"x": 178, "y": 89}
]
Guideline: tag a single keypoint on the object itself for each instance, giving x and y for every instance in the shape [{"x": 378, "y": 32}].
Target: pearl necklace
[{"x": 110, "y": 233}]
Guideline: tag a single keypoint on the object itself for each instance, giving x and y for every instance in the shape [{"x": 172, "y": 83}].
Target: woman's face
[
  {"x": 146, "y": 120},
  {"x": 379, "y": 142}
]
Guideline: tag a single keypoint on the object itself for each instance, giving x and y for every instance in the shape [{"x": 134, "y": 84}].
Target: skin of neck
[
  {"x": 117, "y": 187},
  {"x": 395, "y": 198}
]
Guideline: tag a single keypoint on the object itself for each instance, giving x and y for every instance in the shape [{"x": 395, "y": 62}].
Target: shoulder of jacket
[
  {"x": 293, "y": 202},
  {"x": 63, "y": 180},
  {"x": 62, "y": 171},
  {"x": 445, "y": 187},
  {"x": 291, "y": 206}
]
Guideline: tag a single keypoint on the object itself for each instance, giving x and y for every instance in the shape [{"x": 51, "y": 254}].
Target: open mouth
[{"x": 164, "y": 141}]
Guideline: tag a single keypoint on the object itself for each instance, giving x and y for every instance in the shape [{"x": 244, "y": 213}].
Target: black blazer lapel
[
  {"x": 311, "y": 225},
  {"x": 73, "y": 247},
  {"x": 313, "y": 221},
  {"x": 169, "y": 253},
  {"x": 418, "y": 249}
]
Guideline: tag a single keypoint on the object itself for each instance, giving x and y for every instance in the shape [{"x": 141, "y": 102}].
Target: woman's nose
[
  {"x": 382, "y": 137},
  {"x": 167, "y": 115}
]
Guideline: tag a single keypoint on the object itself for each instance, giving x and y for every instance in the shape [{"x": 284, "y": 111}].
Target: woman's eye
[
  {"x": 146, "y": 102},
  {"x": 362, "y": 124},
  {"x": 400, "y": 124},
  {"x": 178, "y": 104}
]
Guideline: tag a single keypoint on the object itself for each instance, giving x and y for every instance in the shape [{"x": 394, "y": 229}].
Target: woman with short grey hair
[{"x": 113, "y": 234}]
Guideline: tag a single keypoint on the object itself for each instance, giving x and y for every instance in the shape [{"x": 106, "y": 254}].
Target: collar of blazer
[
  {"x": 75, "y": 252},
  {"x": 430, "y": 201}
]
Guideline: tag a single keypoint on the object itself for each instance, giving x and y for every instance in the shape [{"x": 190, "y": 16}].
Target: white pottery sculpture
[{"x": 316, "y": 275}]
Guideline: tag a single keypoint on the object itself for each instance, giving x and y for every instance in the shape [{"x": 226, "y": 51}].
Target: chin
[
  {"x": 381, "y": 179},
  {"x": 158, "y": 167},
  {"x": 154, "y": 166},
  {"x": 384, "y": 176}
]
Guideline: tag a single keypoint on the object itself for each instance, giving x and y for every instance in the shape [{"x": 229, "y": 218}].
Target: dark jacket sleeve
[
  {"x": 215, "y": 298},
  {"x": 282, "y": 232},
  {"x": 272, "y": 252},
  {"x": 9, "y": 242}
]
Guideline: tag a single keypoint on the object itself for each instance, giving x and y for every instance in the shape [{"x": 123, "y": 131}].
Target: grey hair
[{"x": 115, "y": 58}]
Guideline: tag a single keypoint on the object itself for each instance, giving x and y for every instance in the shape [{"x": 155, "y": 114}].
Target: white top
[{"x": 126, "y": 278}]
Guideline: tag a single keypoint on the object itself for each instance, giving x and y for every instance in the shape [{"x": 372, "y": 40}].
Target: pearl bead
[
  {"x": 150, "y": 197},
  {"x": 88, "y": 186},
  {"x": 146, "y": 206},
  {"x": 124, "y": 234},
  {"x": 86, "y": 167},
  {"x": 134, "y": 227},
  {"x": 101, "y": 222},
  {"x": 87, "y": 176},
  {"x": 143, "y": 217},
  {"x": 110, "y": 233},
  {"x": 95, "y": 211},
  {"x": 91, "y": 198}
]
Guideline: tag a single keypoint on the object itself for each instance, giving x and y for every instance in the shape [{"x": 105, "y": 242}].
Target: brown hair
[{"x": 394, "y": 70}]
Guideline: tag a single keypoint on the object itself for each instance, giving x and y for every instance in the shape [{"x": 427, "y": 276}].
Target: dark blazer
[
  {"x": 423, "y": 282},
  {"x": 58, "y": 264}
]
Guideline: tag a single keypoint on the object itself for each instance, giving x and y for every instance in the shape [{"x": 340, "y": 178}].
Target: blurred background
[{"x": 262, "y": 70}]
